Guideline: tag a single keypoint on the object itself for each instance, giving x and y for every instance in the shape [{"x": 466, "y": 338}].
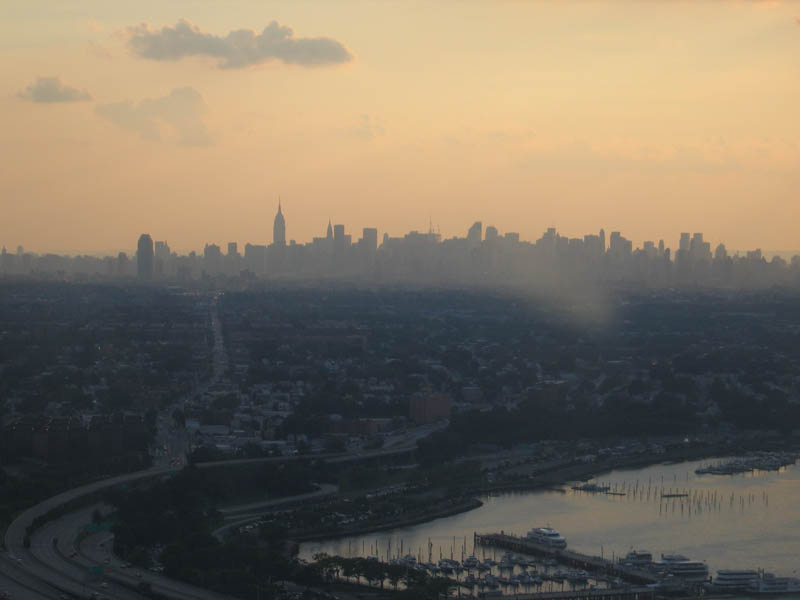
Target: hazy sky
[{"x": 187, "y": 119}]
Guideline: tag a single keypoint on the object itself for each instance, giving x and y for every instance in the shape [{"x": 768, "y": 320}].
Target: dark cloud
[
  {"x": 50, "y": 89},
  {"x": 239, "y": 48},
  {"x": 181, "y": 112}
]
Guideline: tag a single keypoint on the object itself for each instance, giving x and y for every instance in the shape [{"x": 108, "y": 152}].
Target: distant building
[
  {"x": 475, "y": 233},
  {"x": 212, "y": 258},
  {"x": 369, "y": 238},
  {"x": 255, "y": 258},
  {"x": 279, "y": 229},
  {"x": 339, "y": 242},
  {"x": 426, "y": 408},
  {"x": 144, "y": 257}
]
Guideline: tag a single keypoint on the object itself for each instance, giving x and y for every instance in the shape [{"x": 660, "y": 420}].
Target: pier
[
  {"x": 576, "y": 559},
  {"x": 632, "y": 593}
]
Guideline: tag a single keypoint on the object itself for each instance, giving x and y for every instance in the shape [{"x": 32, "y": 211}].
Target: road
[
  {"x": 48, "y": 570},
  {"x": 246, "y": 513}
]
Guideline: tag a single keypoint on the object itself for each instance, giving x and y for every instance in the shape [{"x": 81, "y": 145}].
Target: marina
[{"x": 741, "y": 522}]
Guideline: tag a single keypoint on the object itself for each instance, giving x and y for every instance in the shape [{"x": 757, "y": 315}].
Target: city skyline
[
  {"x": 483, "y": 256},
  {"x": 638, "y": 116},
  {"x": 281, "y": 233}
]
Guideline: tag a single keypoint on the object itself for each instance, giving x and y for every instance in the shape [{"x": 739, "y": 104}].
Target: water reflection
[{"x": 741, "y": 521}]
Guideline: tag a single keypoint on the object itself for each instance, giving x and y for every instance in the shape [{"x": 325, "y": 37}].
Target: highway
[{"x": 48, "y": 570}]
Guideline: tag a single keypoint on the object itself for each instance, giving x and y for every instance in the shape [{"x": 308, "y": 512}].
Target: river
[{"x": 744, "y": 521}]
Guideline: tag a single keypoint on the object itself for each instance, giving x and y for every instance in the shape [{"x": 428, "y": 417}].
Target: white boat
[
  {"x": 734, "y": 581},
  {"x": 679, "y": 566},
  {"x": 578, "y": 576},
  {"x": 770, "y": 584},
  {"x": 638, "y": 558},
  {"x": 547, "y": 536}
]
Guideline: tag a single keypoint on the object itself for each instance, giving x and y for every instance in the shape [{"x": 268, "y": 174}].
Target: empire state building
[{"x": 279, "y": 229}]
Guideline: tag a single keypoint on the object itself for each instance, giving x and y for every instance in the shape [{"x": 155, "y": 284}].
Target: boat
[
  {"x": 446, "y": 566},
  {"x": 734, "y": 581},
  {"x": 547, "y": 536},
  {"x": 525, "y": 579},
  {"x": 638, "y": 558},
  {"x": 681, "y": 567},
  {"x": 578, "y": 576},
  {"x": 768, "y": 583},
  {"x": 471, "y": 562},
  {"x": 507, "y": 562}
]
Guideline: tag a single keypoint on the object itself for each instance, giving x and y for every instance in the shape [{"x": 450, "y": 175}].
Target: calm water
[{"x": 731, "y": 522}]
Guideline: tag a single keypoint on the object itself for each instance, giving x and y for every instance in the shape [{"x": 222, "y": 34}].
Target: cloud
[
  {"x": 50, "y": 89},
  {"x": 180, "y": 114},
  {"x": 239, "y": 48}
]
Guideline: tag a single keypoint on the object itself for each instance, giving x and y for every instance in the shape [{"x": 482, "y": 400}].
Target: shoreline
[
  {"x": 549, "y": 480},
  {"x": 461, "y": 507}
]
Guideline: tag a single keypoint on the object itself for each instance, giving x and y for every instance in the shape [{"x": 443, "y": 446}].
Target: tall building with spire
[
  {"x": 279, "y": 229},
  {"x": 329, "y": 234}
]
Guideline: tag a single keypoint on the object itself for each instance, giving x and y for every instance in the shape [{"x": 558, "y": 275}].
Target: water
[{"x": 744, "y": 521}]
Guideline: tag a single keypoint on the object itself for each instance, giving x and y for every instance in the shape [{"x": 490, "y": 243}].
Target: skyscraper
[
  {"x": 369, "y": 238},
  {"x": 144, "y": 257},
  {"x": 475, "y": 233},
  {"x": 339, "y": 242},
  {"x": 279, "y": 229}
]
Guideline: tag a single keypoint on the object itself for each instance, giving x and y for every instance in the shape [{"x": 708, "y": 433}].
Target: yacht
[
  {"x": 638, "y": 558},
  {"x": 770, "y": 584},
  {"x": 547, "y": 536},
  {"x": 679, "y": 566},
  {"x": 577, "y": 576},
  {"x": 734, "y": 581}
]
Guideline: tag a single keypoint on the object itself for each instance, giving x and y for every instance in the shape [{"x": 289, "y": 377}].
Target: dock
[
  {"x": 590, "y": 563},
  {"x": 632, "y": 593}
]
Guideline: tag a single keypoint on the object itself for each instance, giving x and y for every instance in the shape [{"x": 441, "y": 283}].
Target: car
[{"x": 104, "y": 585}]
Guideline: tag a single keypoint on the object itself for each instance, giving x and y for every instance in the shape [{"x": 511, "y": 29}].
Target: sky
[{"x": 189, "y": 119}]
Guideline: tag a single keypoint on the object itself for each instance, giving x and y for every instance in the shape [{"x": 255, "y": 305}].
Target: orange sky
[{"x": 647, "y": 117}]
